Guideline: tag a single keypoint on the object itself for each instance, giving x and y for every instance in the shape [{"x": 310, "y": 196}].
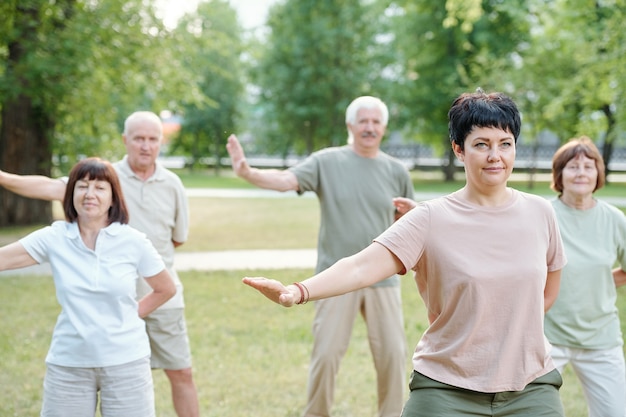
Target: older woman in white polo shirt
[{"x": 99, "y": 345}]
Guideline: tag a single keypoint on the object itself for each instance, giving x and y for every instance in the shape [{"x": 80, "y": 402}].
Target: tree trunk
[
  {"x": 24, "y": 149},
  {"x": 218, "y": 151},
  {"x": 609, "y": 138},
  {"x": 532, "y": 169},
  {"x": 25, "y": 128},
  {"x": 450, "y": 168}
]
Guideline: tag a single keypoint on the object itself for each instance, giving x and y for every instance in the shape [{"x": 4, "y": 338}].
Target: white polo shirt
[{"x": 99, "y": 324}]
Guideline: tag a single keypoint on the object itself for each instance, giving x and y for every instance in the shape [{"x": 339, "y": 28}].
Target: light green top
[
  {"x": 355, "y": 196},
  {"x": 585, "y": 315}
]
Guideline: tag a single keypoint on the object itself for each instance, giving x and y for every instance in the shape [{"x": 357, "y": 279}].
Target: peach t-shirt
[{"x": 481, "y": 272}]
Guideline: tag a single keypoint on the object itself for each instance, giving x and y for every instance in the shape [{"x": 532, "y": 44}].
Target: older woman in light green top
[{"x": 583, "y": 324}]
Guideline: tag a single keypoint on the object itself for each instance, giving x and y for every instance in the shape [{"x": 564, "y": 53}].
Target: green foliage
[
  {"x": 315, "y": 62},
  {"x": 212, "y": 48},
  {"x": 85, "y": 66},
  {"x": 80, "y": 67},
  {"x": 577, "y": 61},
  {"x": 126, "y": 75},
  {"x": 449, "y": 48}
]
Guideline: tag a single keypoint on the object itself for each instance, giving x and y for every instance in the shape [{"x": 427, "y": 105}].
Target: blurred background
[{"x": 280, "y": 73}]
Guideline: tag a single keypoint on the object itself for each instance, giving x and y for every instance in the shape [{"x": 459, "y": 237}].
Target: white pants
[
  {"x": 125, "y": 390},
  {"x": 602, "y": 374}
]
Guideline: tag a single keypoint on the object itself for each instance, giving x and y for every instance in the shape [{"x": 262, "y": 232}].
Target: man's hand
[
  {"x": 237, "y": 157},
  {"x": 271, "y": 179}
]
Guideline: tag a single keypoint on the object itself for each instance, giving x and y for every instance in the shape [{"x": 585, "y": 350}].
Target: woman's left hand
[{"x": 272, "y": 289}]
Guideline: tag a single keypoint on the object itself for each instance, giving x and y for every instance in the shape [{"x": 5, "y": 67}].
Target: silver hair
[
  {"x": 143, "y": 116},
  {"x": 365, "y": 102}
]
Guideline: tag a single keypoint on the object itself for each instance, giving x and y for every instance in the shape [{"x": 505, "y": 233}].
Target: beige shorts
[
  {"x": 169, "y": 342},
  {"x": 123, "y": 390}
]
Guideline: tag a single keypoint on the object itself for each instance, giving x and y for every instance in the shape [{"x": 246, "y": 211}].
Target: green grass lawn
[{"x": 250, "y": 356}]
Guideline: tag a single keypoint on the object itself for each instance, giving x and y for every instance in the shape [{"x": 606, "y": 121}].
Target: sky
[{"x": 252, "y": 13}]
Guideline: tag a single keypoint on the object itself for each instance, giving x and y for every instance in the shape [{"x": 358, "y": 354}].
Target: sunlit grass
[
  {"x": 250, "y": 356},
  {"x": 252, "y": 223}
]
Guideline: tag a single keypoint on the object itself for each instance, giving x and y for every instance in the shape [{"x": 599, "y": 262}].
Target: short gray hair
[
  {"x": 142, "y": 116},
  {"x": 366, "y": 102}
]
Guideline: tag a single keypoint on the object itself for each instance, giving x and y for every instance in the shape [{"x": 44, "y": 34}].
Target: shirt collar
[
  {"x": 72, "y": 231},
  {"x": 128, "y": 172}
]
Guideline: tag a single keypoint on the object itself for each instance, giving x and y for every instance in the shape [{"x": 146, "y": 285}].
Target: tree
[
  {"x": 448, "y": 48},
  {"x": 64, "y": 69},
  {"x": 317, "y": 59},
  {"x": 574, "y": 71},
  {"x": 27, "y": 122},
  {"x": 211, "y": 47}
]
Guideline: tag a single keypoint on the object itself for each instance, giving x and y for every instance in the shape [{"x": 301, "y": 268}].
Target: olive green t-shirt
[{"x": 355, "y": 196}]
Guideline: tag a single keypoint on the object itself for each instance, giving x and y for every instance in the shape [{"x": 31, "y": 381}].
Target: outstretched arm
[
  {"x": 272, "y": 179},
  {"x": 33, "y": 186},
  {"x": 361, "y": 270},
  {"x": 14, "y": 256}
]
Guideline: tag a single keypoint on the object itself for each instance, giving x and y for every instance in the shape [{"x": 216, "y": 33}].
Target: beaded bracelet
[
  {"x": 304, "y": 293},
  {"x": 306, "y": 299}
]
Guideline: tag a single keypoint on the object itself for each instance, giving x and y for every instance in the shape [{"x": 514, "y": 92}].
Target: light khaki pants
[{"x": 381, "y": 308}]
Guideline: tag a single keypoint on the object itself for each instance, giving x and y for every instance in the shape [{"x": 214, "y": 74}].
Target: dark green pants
[{"x": 429, "y": 398}]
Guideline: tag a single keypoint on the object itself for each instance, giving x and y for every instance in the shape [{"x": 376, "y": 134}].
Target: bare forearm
[
  {"x": 163, "y": 289},
  {"x": 270, "y": 179},
  {"x": 619, "y": 276},
  {"x": 373, "y": 264},
  {"x": 14, "y": 256},
  {"x": 361, "y": 270},
  {"x": 151, "y": 302},
  {"x": 33, "y": 186}
]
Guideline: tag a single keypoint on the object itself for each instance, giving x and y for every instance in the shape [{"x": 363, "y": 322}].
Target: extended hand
[
  {"x": 237, "y": 156},
  {"x": 272, "y": 289}
]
